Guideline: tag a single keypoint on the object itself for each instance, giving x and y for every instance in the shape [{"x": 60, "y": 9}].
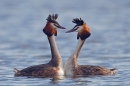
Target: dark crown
[
  {"x": 78, "y": 21},
  {"x": 52, "y": 18}
]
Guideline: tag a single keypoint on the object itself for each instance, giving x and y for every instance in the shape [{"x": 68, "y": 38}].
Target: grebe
[
  {"x": 71, "y": 67},
  {"x": 54, "y": 67}
]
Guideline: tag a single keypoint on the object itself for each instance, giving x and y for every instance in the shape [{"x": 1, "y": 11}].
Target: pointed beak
[
  {"x": 58, "y": 26},
  {"x": 72, "y": 30},
  {"x": 61, "y": 27}
]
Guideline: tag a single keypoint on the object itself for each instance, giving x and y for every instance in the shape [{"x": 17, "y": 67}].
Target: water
[{"x": 22, "y": 42}]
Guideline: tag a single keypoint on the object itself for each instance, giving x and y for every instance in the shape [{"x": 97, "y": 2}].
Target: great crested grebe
[
  {"x": 71, "y": 67},
  {"x": 54, "y": 67}
]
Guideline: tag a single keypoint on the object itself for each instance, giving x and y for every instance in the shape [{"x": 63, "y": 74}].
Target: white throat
[
  {"x": 56, "y": 58},
  {"x": 53, "y": 46},
  {"x": 72, "y": 60}
]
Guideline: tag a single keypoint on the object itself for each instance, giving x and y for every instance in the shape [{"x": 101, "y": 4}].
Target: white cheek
[
  {"x": 53, "y": 25},
  {"x": 79, "y": 29}
]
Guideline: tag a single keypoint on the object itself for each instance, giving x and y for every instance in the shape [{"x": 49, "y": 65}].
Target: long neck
[
  {"x": 76, "y": 51},
  {"x": 56, "y": 58}
]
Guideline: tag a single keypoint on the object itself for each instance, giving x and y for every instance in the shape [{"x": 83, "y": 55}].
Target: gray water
[{"x": 23, "y": 44}]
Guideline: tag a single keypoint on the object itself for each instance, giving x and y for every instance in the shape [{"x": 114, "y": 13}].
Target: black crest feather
[
  {"x": 52, "y": 17},
  {"x": 78, "y": 21}
]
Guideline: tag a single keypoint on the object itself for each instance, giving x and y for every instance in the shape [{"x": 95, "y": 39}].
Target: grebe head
[
  {"x": 52, "y": 25},
  {"x": 81, "y": 28}
]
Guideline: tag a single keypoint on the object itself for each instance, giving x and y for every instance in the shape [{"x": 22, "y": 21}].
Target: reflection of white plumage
[
  {"x": 54, "y": 67},
  {"x": 71, "y": 67}
]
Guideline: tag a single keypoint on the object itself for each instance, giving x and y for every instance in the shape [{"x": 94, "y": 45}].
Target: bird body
[
  {"x": 71, "y": 67},
  {"x": 54, "y": 67}
]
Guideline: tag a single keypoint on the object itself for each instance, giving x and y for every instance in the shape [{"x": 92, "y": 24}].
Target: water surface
[{"x": 23, "y": 44}]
